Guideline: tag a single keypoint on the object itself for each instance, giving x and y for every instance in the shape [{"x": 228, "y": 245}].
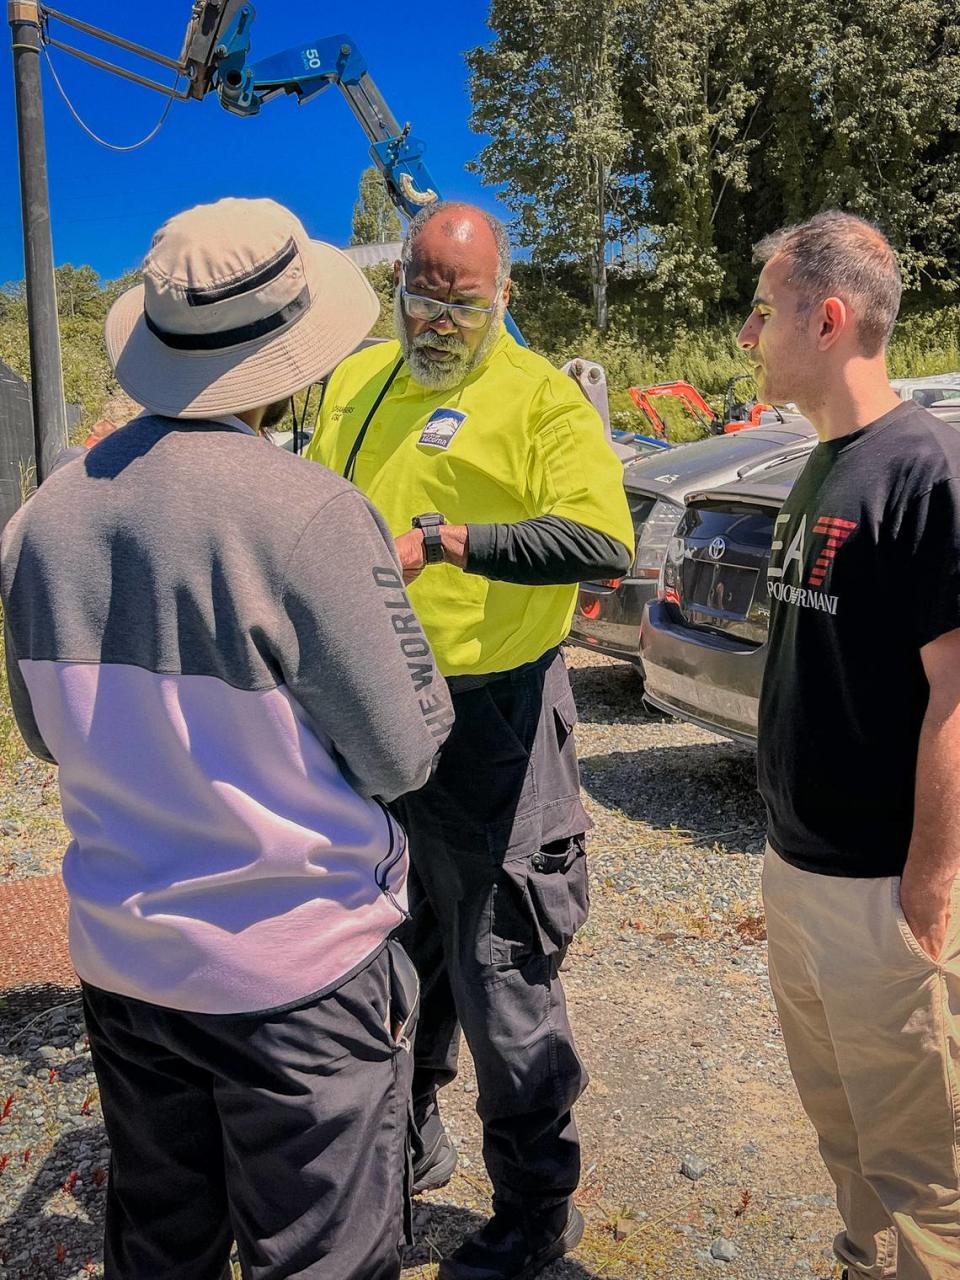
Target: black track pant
[
  {"x": 285, "y": 1131},
  {"x": 498, "y": 889}
]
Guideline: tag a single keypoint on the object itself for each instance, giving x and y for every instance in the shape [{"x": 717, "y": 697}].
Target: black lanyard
[{"x": 351, "y": 466}]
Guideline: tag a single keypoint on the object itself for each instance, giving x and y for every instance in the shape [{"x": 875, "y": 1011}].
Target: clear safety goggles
[{"x": 418, "y": 307}]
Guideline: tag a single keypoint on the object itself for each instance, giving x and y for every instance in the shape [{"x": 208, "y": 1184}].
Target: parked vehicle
[
  {"x": 940, "y": 389},
  {"x": 704, "y": 637},
  {"x": 629, "y": 447},
  {"x": 609, "y": 613}
]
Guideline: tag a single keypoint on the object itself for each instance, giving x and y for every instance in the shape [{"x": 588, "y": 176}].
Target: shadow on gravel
[
  {"x": 708, "y": 790},
  {"x": 34, "y": 1016},
  {"x": 84, "y": 1230},
  {"x": 20, "y": 1004},
  {"x": 31, "y": 1018},
  {"x": 611, "y": 695},
  {"x": 439, "y": 1228}
]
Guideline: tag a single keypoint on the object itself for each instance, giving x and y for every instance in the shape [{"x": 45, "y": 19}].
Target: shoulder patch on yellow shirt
[{"x": 441, "y": 427}]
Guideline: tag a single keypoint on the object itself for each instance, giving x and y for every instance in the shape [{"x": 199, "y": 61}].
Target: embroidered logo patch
[{"x": 441, "y": 427}]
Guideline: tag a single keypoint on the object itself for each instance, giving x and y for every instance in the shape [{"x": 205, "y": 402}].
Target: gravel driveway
[{"x": 669, "y": 998}]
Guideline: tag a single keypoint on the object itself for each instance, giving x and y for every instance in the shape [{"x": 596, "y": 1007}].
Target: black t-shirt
[{"x": 864, "y": 571}]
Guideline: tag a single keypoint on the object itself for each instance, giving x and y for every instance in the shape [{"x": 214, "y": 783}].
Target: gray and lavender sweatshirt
[{"x": 212, "y": 640}]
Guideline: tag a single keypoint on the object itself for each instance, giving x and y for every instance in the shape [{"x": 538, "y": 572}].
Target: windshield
[{"x": 934, "y": 395}]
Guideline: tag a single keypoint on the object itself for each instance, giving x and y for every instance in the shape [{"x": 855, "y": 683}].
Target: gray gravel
[
  {"x": 697, "y": 1158},
  {"x": 32, "y": 834},
  {"x": 54, "y": 1148}
]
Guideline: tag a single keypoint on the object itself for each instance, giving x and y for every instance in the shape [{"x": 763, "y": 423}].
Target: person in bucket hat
[
  {"x": 229, "y": 732},
  {"x": 238, "y": 308}
]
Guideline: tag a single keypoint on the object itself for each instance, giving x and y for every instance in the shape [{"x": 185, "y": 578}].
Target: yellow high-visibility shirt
[{"x": 516, "y": 440}]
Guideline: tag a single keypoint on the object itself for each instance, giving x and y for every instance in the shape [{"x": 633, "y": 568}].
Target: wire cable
[{"x": 111, "y": 146}]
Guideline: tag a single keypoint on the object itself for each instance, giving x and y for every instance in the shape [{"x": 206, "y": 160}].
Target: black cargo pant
[
  {"x": 498, "y": 888},
  {"x": 286, "y": 1131}
]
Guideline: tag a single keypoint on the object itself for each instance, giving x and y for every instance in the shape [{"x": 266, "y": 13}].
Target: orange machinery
[{"x": 737, "y": 414}]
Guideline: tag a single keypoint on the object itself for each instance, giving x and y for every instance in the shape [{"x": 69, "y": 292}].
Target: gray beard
[{"x": 450, "y": 374}]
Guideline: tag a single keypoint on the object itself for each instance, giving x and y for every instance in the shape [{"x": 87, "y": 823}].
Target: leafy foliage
[
  {"x": 671, "y": 135},
  {"x": 12, "y": 748},
  {"x": 82, "y": 304},
  {"x": 381, "y": 277},
  {"x": 548, "y": 92},
  {"x": 375, "y": 220}
]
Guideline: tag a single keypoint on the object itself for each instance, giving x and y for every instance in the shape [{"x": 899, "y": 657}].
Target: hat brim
[{"x": 188, "y": 384}]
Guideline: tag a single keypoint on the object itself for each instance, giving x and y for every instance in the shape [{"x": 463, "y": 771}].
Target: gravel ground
[
  {"x": 697, "y": 1158},
  {"x": 32, "y": 834}
]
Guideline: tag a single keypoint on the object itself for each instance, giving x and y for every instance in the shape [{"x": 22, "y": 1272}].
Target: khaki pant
[{"x": 872, "y": 1031}]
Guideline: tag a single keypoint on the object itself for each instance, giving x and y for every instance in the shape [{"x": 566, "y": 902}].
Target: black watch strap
[{"x": 429, "y": 524}]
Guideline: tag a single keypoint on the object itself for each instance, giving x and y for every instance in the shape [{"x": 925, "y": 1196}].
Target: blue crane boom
[{"x": 307, "y": 70}]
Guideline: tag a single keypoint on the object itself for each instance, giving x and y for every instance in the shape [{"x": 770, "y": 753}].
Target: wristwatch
[{"x": 429, "y": 524}]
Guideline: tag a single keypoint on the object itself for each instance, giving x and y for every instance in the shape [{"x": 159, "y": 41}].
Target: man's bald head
[
  {"x": 458, "y": 255},
  {"x": 458, "y": 235}
]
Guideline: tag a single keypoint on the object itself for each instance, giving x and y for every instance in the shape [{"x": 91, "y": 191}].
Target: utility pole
[{"x": 46, "y": 371}]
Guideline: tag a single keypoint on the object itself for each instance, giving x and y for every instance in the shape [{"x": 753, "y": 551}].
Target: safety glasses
[{"x": 418, "y": 307}]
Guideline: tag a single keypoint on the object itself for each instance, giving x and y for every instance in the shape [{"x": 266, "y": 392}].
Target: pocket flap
[{"x": 564, "y": 717}]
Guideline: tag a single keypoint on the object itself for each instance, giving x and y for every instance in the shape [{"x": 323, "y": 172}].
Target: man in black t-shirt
[{"x": 859, "y": 752}]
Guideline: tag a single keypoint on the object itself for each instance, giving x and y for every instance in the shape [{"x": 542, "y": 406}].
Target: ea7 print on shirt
[{"x": 828, "y": 536}]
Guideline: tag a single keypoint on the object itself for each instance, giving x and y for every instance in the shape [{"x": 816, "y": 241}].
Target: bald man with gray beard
[{"x": 494, "y": 476}]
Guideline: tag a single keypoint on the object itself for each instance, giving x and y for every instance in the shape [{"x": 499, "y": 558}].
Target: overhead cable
[{"x": 111, "y": 146}]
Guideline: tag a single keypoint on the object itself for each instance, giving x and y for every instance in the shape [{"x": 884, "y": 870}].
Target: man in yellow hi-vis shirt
[{"x": 494, "y": 476}]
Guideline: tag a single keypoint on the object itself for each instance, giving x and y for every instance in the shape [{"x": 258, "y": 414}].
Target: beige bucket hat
[{"x": 238, "y": 308}]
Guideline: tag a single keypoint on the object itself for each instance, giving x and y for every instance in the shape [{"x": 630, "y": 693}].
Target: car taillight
[
  {"x": 613, "y": 583},
  {"x": 590, "y": 608},
  {"x": 653, "y": 535},
  {"x": 668, "y": 582}
]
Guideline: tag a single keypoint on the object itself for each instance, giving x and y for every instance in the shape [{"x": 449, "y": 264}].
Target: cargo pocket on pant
[
  {"x": 565, "y": 779},
  {"x": 564, "y": 718},
  {"x": 539, "y": 901}
]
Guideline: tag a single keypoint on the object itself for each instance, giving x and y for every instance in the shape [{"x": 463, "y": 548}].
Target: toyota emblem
[{"x": 716, "y": 549}]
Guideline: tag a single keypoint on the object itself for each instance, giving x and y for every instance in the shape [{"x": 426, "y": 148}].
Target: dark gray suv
[{"x": 608, "y": 614}]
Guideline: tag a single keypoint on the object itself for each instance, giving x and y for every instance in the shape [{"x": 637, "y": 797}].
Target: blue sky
[{"x": 106, "y": 206}]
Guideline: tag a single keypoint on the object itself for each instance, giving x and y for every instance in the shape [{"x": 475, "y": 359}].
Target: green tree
[
  {"x": 113, "y": 288},
  {"x": 82, "y": 305},
  {"x": 548, "y": 93},
  {"x": 859, "y": 110},
  {"x": 686, "y": 130},
  {"x": 692, "y": 112},
  {"x": 375, "y": 220},
  {"x": 79, "y": 292},
  {"x": 889, "y": 103}
]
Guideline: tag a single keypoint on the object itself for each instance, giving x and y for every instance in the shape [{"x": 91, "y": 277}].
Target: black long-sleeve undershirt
[{"x": 544, "y": 551}]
